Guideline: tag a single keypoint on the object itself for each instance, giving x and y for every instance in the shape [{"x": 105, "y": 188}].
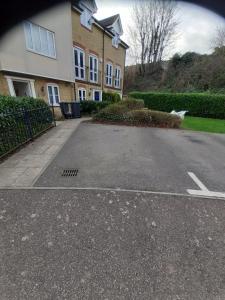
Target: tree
[{"x": 152, "y": 31}]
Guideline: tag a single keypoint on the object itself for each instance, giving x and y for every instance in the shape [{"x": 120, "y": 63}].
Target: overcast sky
[{"x": 196, "y": 24}]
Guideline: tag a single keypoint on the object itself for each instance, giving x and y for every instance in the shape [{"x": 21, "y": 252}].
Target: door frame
[
  {"x": 93, "y": 95},
  {"x": 30, "y": 82}
]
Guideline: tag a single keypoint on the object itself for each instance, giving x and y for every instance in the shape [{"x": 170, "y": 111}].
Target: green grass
[{"x": 203, "y": 124}]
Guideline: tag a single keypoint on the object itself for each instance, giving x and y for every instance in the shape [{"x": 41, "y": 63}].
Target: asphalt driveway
[
  {"x": 125, "y": 227},
  {"x": 139, "y": 159}
]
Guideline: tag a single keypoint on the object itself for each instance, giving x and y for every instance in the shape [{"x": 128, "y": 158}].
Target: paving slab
[{"x": 23, "y": 167}]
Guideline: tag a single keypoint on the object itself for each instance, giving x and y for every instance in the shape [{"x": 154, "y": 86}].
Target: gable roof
[{"x": 109, "y": 21}]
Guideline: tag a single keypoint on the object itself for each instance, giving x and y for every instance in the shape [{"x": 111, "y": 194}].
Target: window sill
[{"x": 35, "y": 52}]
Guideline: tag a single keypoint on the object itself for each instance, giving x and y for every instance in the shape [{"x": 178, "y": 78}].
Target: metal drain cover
[{"x": 69, "y": 172}]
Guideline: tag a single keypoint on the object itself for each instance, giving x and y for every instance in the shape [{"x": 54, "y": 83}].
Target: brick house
[{"x": 63, "y": 54}]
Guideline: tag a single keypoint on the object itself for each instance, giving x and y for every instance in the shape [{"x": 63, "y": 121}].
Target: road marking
[
  {"x": 112, "y": 190},
  {"x": 197, "y": 181},
  {"x": 203, "y": 189}
]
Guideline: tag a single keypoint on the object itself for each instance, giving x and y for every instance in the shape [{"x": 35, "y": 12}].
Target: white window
[
  {"x": 93, "y": 62},
  {"x": 39, "y": 39},
  {"x": 53, "y": 94},
  {"x": 79, "y": 59},
  {"x": 97, "y": 95},
  {"x": 109, "y": 72},
  {"x": 82, "y": 94},
  {"x": 86, "y": 18},
  {"x": 117, "y": 77}
]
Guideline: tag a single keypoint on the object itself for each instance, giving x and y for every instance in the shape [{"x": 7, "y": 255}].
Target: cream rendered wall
[{"x": 15, "y": 57}]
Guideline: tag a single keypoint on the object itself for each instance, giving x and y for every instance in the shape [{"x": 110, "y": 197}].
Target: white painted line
[
  {"x": 206, "y": 193},
  {"x": 197, "y": 181},
  {"x": 191, "y": 195}
]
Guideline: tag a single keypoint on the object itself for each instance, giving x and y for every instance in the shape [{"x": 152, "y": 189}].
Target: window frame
[
  {"x": 83, "y": 90},
  {"x": 53, "y": 85},
  {"x": 41, "y": 42},
  {"x": 117, "y": 78},
  {"x": 109, "y": 77},
  {"x": 93, "y": 71},
  {"x": 79, "y": 50}
]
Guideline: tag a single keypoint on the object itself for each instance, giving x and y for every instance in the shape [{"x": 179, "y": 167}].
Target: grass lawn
[{"x": 203, "y": 124}]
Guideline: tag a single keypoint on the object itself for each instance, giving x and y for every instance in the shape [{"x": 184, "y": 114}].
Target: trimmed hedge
[
  {"x": 197, "y": 105},
  {"x": 133, "y": 103},
  {"x": 91, "y": 107},
  {"x": 120, "y": 113},
  {"x": 21, "y": 118},
  {"x": 9, "y": 103},
  {"x": 112, "y": 97}
]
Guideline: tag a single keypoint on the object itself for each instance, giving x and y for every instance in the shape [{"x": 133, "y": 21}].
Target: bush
[
  {"x": 197, "y": 105},
  {"x": 20, "y": 119},
  {"x": 9, "y": 103},
  {"x": 121, "y": 114},
  {"x": 112, "y": 97},
  {"x": 134, "y": 103},
  {"x": 90, "y": 107}
]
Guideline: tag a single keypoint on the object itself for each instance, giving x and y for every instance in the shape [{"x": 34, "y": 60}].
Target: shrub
[
  {"x": 89, "y": 107},
  {"x": 139, "y": 117},
  {"x": 198, "y": 105},
  {"x": 134, "y": 103},
  {"x": 20, "y": 119},
  {"x": 112, "y": 97},
  {"x": 121, "y": 114},
  {"x": 9, "y": 103}
]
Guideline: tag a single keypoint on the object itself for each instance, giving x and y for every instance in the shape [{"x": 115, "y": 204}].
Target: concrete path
[{"x": 23, "y": 167}]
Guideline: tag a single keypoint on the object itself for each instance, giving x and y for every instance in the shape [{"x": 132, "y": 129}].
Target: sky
[{"x": 197, "y": 25}]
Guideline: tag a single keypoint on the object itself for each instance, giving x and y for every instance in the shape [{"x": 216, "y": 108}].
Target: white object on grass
[{"x": 180, "y": 114}]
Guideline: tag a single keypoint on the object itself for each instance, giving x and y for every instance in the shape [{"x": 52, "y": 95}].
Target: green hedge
[
  {"x": 9, "y": 103},
  {"x": 121, "y": 113},
  {"x": 21, "y": 119},
  {"x": 112, "y": 97},
  {"x": 197, "y": 105},
  {"x": 90, "y": 107}
]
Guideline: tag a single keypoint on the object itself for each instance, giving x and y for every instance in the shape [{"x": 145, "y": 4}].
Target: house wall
[
  {"x": 91, "y": 41},
  {"x": 116, "y": 56},
  {"x": 4, "y": 89},
  {"x": 15, "y": 57},
  {"x": 66, "y": 89}
]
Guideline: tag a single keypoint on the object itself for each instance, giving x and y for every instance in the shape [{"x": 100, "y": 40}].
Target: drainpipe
[
  {"x": 103, "y": 58},
  {"x": 124, "y": 71}
]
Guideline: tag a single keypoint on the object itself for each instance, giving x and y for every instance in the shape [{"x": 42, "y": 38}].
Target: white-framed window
[
  {"x": 86, "y": 18},
  {"x": 79, "y": 60},
  {"x": 109, "y": 72},
  {"x": 93, "y": 71},
  {"x": 97, "y": 95},
  {"x": 117, "y": 77},
  {"x": 39, "y": 39},
  {"x": 53, "y": 94},
  {"x": 21, "y": 87},
  {"x": 82, "y": 94}
]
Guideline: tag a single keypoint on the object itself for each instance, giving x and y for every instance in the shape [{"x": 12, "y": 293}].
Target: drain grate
[{"x": 69, "y": 172}]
